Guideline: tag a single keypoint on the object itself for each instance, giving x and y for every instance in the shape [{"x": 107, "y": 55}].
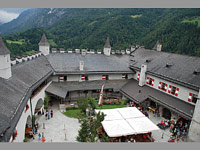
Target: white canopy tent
[{"x": 126, "y": 121}]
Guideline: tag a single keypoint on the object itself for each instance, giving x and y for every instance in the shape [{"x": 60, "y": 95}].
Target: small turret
[
  {"x": 44, "y": 45},
  {"x": 5, "y": 63},
  {"x": 107, "y": 47}
]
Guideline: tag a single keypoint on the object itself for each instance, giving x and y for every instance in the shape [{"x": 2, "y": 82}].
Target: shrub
[
  {"x": 112, "y": 103},
  {"x": 104, "y": 102},
  {"x": 26, "y": 140},
  {"x": 117, "y": 103}
]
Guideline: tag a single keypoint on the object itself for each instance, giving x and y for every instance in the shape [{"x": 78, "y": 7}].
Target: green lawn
[
  {"x": 74, "y": 113},
  {"x": 192, "y": 20},
  {"x": 112, "y": 106}
]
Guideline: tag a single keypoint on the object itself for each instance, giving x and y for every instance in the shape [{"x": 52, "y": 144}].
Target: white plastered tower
[
  {"x": 107, "y": 47},
  {"x": 5, "y": 63},
  {"x": 44, "y": 45}
]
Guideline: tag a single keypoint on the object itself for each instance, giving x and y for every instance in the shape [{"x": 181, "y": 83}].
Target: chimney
[
  {"x": 142, "y": 75},
  {"x": 77, "y": 51},
  {"x": 107, "y": 47},
  {"x": 54, "y": 50},
  {"x": 84, "y": 52},
  {"x": 62, "y": 50},
  {"x": 113, "y": 52},
  {"x": 159, "y": 47},
  {"x": 24, "y": 58},
  {"x": 123, "y": 52},
  {"x": 132, "y": 48},
  {"x": 128, "y": 51},
  {"x": 99, "y": 51},
  {"x": 81, "y": 65},
  {"x": 5, "y": 63},
  {"x": 18, "y": 59}
]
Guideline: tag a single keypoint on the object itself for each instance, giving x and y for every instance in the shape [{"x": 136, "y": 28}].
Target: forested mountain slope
[{"x": 177, "y": 29}]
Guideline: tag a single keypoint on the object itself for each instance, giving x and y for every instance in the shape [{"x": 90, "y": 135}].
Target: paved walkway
[{"x": 54, "y": 127}]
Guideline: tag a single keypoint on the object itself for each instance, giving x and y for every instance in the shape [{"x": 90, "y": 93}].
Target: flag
[{"x": 101, "y": 95}]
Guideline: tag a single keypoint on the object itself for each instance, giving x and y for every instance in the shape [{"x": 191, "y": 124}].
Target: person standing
[
  {"x": 39, "y": 136},
  {"x": 51, "y": 113},
  {"x": 46, "y": 115}
]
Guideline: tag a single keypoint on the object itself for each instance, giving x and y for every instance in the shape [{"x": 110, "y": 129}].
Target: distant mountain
[{"x": 177, "y": 29}]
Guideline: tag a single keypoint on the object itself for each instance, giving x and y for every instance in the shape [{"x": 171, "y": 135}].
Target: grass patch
[
  {"x": 20, "y": 42},
  {"x": 75, "y": 113},
  {"x": 192, "y": 20},
  {"x": 112, "y": 106},
  {"x": 29, "y": 52},
  {"x": 136, "y": 16}
]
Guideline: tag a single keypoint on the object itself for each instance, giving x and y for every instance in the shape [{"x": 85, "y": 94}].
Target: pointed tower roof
[
  {"x": 3, "y": 49},
  {"x": 44, "y": 41},
  {"x": 107, "y": 45}
]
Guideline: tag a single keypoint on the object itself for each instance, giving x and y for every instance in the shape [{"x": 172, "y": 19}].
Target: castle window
[
  {"x": 105, "y": 77},
  {"x": 150, "y": 81},
  {"x": 65, "y": 78},
  {"x": 162, "y": 86},
  {"x": 192, "y": 98}
]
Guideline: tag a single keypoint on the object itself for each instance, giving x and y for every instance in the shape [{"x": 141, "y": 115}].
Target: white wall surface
[{"x": 22, "y": 121}]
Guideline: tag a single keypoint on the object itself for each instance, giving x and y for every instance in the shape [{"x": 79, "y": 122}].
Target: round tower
[
  {"x": 5, "y": 63},
  {"x": 107, "y": 47},
  {"x": 44, "y": 45}
]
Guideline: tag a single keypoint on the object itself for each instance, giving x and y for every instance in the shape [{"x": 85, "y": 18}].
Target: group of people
[
  {"x": 48, "y": 114},
  {"x": 178, "y": 130}
]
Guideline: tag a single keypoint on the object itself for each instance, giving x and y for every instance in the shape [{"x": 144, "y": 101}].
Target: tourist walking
[
  {"x": 39, "y": 136},
  {"x": 46, "y": 115},
  {"x": 51, "y": 113},
  {"x": 43, "y": 139}
]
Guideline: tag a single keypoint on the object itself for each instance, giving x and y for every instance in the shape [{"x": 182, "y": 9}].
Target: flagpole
[{"x": 101, "y": 97}]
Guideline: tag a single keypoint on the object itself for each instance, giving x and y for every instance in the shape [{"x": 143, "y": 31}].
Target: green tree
[
  {"x": 82, "y": 104},
  {"x": 46, "y": 102},
  {"x": 89, "y": 128}
]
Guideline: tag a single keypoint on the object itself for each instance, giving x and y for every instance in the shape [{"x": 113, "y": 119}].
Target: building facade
[{"x": 147, "y": 77}]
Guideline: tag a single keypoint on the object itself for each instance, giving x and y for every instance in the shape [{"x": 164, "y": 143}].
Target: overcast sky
[{"x": 8, "y": 14}]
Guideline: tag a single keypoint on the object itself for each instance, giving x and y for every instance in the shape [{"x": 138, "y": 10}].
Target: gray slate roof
[
  {"x": 44, "y": 41},
  {"x": 14, "y": 92},
  {"x": 180, "y": 69},
  {"x": 93, "y": 63},
  {"x": 131, "y": 90},
  {"x": 3, "y": 49},
  {"x": 107, "y": 44},
  {"x": 54, "y": 87}
]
